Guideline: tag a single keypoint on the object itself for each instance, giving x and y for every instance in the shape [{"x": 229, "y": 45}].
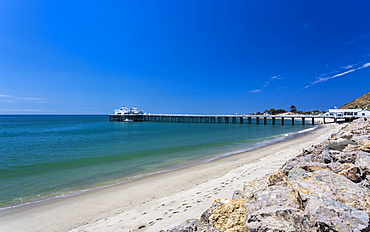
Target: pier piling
[{"x": 215, "y": 118}]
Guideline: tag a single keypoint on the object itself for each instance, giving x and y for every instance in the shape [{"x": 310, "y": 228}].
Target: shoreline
[
  {"x": 159, "y": 201},
  {"x": 17, "y": 207}
]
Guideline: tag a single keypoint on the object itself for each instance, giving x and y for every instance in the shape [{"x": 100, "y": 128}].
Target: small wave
[
  {"x": 272, "y": 140},
  {"x": 43, "y": 199}
]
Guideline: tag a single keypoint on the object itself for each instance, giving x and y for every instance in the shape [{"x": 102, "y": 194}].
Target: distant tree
[
  {"x": 293, "y": 108},
  {"x": 258, "y": 113},
  {"x": 270, "y": 111},
  {"x": 273, "y": 111}
]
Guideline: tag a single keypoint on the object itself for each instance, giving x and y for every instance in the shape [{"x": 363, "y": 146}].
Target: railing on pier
[{"x": 241, "y": 119}]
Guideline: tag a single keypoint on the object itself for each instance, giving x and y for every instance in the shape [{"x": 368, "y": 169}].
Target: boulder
[
  {"x": 354, "y": 174},
  {"x": 336, "y": 216},
  {"x": 188, "y": 226},
  {"x": 192, "y": 225},
  {"x": 278, "y": 196},
  {"x": 328, "y": 185},
  {"x": 227, "y": 215},
  {"x": 280, "y": 219}
]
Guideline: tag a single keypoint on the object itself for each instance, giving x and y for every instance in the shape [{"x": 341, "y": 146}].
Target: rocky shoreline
[{"x": 325, "y": 188}]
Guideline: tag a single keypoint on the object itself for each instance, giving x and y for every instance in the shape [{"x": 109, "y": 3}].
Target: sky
[{"x": 182, "y": 56}]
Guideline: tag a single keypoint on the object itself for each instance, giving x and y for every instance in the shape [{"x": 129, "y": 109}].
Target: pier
[{"x": 240, "y": 119}]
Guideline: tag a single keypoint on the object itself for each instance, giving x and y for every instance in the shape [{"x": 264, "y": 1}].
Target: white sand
[{"x": 160, "y": 201}]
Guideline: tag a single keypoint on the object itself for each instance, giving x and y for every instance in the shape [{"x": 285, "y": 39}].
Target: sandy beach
[{"x": 160, "y": 201}]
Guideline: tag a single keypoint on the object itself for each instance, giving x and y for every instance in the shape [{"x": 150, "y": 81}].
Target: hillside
[{"x": 361, "y": 102}]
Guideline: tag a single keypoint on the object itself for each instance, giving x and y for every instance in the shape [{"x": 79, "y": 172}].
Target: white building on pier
[
  {"x": 348, "y": 113},
  {"x": 125, "y": 110}
]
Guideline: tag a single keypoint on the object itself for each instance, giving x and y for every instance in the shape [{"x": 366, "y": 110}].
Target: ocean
[{"x": 44, "y": 157}]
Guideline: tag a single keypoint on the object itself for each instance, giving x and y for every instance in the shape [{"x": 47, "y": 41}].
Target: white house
[{"x": 348, "y": 113}]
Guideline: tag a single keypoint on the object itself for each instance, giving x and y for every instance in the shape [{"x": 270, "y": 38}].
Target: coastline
[{"x": 162, "y": 200}]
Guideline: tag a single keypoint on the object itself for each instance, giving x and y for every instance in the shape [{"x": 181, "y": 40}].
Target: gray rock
[
  {"x": 237, "y": 194},
  {"x": 354, "y": 174},
  {"x": 192, "y": 225},
  {"x": 280, "y": 219},
  {"x": 338, "y": 146},
  {"x": 328, "y": 185},
  {"x": 360, "y": 138},
  {"x": 343, "y": 157},
  {"x": 326, "y": 157},
  {"x": 278, "y": 196},
  {"x": 337, "y": 216},
  {"x": 363, "y": 160}
]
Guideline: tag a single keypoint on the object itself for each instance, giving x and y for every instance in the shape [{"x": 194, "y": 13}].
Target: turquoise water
[{"x": 50, "y": 156}]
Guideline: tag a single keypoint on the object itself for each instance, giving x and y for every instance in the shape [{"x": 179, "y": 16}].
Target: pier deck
[{"x": 241, "y": 119}]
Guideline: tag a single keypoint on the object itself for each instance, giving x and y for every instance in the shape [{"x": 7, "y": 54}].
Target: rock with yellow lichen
[{"x": 228, "y": 215}]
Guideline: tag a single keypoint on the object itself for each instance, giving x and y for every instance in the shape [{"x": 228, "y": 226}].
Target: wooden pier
[{"x": 241, "y": 119}]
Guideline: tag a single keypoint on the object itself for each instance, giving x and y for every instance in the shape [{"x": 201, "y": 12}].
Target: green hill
[{"x": 361, "y": 102}]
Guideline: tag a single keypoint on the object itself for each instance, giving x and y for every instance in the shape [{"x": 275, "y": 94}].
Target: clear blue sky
[{"x": 182, "y": 56}]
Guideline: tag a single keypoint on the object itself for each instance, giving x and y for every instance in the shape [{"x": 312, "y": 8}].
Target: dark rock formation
[{"x": 326, "y": 188}]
